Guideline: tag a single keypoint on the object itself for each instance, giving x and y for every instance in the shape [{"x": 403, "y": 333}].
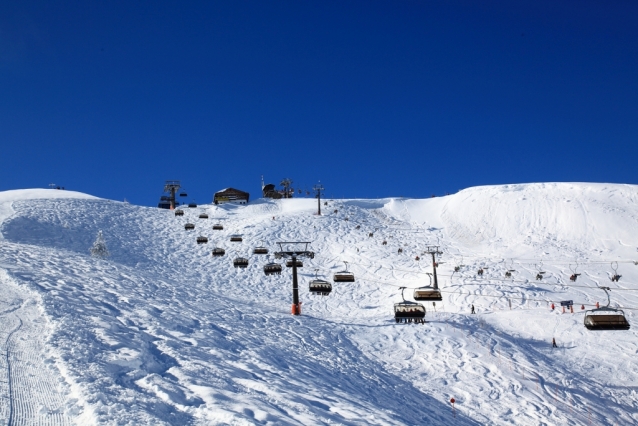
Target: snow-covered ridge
[{"x": 163, "y": 333}]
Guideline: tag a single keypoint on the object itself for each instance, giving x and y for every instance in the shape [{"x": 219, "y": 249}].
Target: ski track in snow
[
  {"x": 29, "y": 389},
  {"x": 163, "y": 333}
]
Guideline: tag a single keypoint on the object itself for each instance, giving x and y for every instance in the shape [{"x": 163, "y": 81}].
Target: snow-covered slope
[{"x": 162, "y": 332}]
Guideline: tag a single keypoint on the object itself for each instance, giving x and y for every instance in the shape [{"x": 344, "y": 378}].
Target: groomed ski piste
[{"x": 161, "y": 332}]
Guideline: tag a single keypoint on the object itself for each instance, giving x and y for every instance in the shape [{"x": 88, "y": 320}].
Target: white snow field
[{"x": 161, "y": 332}]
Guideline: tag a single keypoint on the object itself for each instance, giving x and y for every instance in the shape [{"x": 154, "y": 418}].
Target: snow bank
[{"x": 163, "y": 333}]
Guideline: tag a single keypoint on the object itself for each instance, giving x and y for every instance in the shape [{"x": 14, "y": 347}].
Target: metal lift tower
[
  {"x": 434, "y": 250},
  {"x": 318, "y": 188},
  {"x": 172, "y": 186},
  {"x": 293, "y": 250}
]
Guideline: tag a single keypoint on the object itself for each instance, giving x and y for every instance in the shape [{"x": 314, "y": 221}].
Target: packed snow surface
[{"x": 161, "y": 332}]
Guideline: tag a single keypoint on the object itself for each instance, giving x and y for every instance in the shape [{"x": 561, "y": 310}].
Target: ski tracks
[{"x": 30, "y": 394}]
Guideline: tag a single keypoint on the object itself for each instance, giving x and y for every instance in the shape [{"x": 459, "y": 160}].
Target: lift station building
[{"x": 231, "y": 195}]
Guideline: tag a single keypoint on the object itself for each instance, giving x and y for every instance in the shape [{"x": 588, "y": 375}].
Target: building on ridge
[{"x": 231, "y": 195}]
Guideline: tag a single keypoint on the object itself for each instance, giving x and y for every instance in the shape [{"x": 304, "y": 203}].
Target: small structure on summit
[
  {"x": 231, "y": 195},
  {"x": 270, "y": 191}
]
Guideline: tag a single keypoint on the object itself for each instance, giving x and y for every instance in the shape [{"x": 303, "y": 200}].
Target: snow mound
[{"x": 161, "y": 332}]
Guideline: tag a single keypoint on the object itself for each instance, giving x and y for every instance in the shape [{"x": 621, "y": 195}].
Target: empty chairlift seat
[
  {"x": 218, "y": 227},
  {"x": 298, "y": 262},
  {"x": 179, "y": 212},
  {"x": 192, "y": 205},
  {"x": 427, "y": 293},
  {"x": 272, "y": 269},
  {"x": 236, "y": 238},
  {"x": 240, "y": 262},
  {"x": 343, "y": 276},
  {"x": 203, "y": 216},
  {"x": 218, "y": 251},
  {"x": 189, "y": 226},
  {"x": 606, "y": 319},
  {"x": 202, "y": 240},
  {"x": 260, "y": 250}
]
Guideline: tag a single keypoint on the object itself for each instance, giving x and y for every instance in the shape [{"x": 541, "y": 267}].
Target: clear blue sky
[{"x": 375, "y": 98}]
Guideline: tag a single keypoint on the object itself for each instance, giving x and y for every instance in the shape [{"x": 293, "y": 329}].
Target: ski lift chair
[
  {"x": 236, "y": 238},
  {"x": 289, "y": 263},
  {"x": 183, "y": 194},
  {"x": 203, "y": 216},
  {"x": 202, "y": 240},
  {"x": 218, "y": 251},
  {"x": 189, "y": 226},
  {"x": 319, "y": 287},
  {"x": 260, "y": 250},
  {"x": 272, "y": 268},
  {"x": 240, "y": 262},
  {"x": 179, "y": 212},
  {"x": 606, "y": 318},
  {"x": 615, "y": 277},
  {"x": 427, "y": 293},
  {"x": 192, "y": 205},
  {"x": 218, "y": 227},
  {"x": 409, "y": 312},
  {"x": 540, "y": 273},
  {"x": 574, "y": 276},
  {"x": 343, "y": 276},
  {"x": 508, "y": 271}
]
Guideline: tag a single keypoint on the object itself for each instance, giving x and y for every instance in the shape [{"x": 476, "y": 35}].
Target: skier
[
  {"x": 473, "y": 309},
  {"x": 554, "y": 343}
]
